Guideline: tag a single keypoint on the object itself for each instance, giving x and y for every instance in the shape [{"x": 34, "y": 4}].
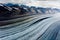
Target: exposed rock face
[{"x": 8, "y": 11}]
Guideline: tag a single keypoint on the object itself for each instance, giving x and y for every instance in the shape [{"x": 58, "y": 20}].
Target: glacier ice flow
[{"x": 35, "y": 28}]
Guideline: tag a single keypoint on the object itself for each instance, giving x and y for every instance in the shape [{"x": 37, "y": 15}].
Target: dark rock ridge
[{"x": 9, "y": 10}]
